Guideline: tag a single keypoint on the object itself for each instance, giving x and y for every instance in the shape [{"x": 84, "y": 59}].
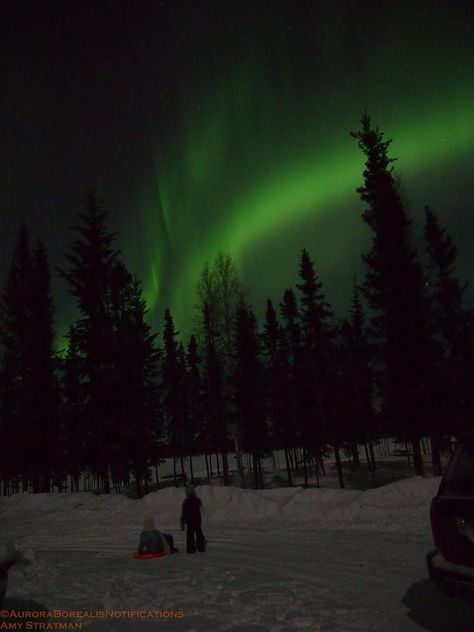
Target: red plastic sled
[{"x": 148, "y": 556}]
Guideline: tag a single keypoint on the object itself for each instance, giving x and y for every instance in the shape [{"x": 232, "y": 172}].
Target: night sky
[{"x": 211, "y": 126}]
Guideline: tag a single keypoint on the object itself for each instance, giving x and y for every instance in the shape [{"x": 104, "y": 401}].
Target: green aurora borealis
[
  {"x": 238, "y": 120},
  {"x": 289, "y": 192}
]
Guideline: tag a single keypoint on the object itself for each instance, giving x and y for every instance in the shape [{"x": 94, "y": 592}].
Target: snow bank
[
  {"x": 400, "y": 505},
  {"x": 394, "y": 506},
  {"x": 277, "y": 559}
]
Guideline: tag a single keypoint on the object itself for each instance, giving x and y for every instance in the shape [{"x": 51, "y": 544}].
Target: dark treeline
[{"x": 121, "y": 398}]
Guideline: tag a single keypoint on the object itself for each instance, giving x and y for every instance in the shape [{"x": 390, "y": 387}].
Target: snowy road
[{"x": 266, "y": 574}]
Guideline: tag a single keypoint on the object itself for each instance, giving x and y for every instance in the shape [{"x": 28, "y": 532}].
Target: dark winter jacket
[
  {"x": 150, "y": 542},
  {"x": 191, "y": 512}
]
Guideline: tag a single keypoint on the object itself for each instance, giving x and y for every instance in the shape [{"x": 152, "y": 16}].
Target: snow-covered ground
[{"x": 279, "y": 560}]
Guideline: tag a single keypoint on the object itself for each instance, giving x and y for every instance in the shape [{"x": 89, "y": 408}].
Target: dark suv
[{"x": 451, "y": 563}]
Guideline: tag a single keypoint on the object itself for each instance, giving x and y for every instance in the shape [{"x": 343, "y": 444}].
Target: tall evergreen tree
[
  {"x": 188, "y": 430},
  {"x": 248, "y": 389},
  {"x": 29, "y": 392},
  {"x": 43, "y": 381},
  {"x": 277, "y": 386},
  {"x": 292, "y": 344},
  {"x": 291, "y": 326},
  {"x": 15, "y": 334},
  {"x": 174, "y": 391},
  {"x": 136, "y": 397},
  {"x": 394, "y": 289},
  {"x": 77, "y": 434},
  {"x": 357, "y": 395},
  {"x": 213, "y": 392},
  {"x": 194, "y": 401},
  {"x": 318, "y": 377},
  {"x": 15, "y": 342},
  {"x": 91, "y": 260},
  {"x": 452, "y": 328}
]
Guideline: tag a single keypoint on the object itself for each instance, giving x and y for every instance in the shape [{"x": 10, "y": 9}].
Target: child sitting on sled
[{"x": 153, "y": 541}]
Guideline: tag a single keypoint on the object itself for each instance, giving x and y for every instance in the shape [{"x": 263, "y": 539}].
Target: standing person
[{"x": 191, "y": 517}]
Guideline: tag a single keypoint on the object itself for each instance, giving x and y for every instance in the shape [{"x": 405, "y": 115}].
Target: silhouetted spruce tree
[
  {"x": 195, "y": 403},
  {"x": 118, "y": 310},
  {"x": 173, "y": 392},
  {"x": 136, "y": 361},
  {"x": 291, "y": 342},
  {"x": 91, "y": 260},
  {"x": 15, "y": 332},
  {"x": 356, "y": 397},
  {"x": 76, "y": 433},
  {"x": 318, "y": 385},
  {"x": 29, "y": 390},
  {"x": 188, "y": 431},
  {"x": 452, "y": 329},
  {"x": 248, "y": 389},
  {"x": 290, "y": 314},
  {"x": 43, "y": 382},
  {"x": 213, "y": 395},
  {"x": 277, "y": 386},
  {"x": 394, "y": 289}
]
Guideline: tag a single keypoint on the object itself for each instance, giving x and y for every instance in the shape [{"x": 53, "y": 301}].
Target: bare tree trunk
[
  {"x": 183, "y": 472},
  {"x": 339, "y": 466},
  {"x": 316, "y": 468},
  {"x": 417, "y": 458},
  {"x": 290, "y": 457},
  {"x": 372, "y": 455},
  {"x": 106, "y": 480},
  {"x": 321, "y": 461},
  {"x": 355, "y": 456},
  {"x": 239, "y": 462},
  {"x": 435, "y": 456},
  {"x": 277, "y": 460},
  {"x": 191, "y": 471},
  {"x": 367, "y": 457},
  {"x": 408, "y": 454},
  {"x": 288, "y": 467},
  {"x": 305, "y": 467},
  {"x": 260, "y": 472},
  {"x": 295, "y": 452},
  {"x": 255, "y": 469},
  {"x": 225, "y": 467}
]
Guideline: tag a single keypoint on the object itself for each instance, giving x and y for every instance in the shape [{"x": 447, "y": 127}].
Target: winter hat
[
  {"x": 190, "y": 491},
  {"x": 149, "y": 524}
]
